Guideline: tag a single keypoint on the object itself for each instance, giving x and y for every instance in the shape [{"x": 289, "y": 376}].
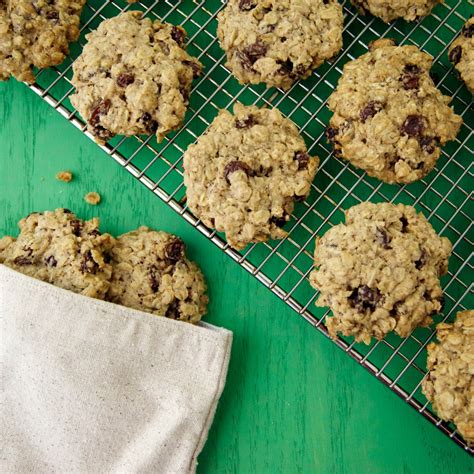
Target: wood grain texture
[{"x": 294, "y": 403}]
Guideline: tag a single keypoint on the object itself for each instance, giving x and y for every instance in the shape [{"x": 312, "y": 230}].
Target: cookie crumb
[
  {"x": 65, "y": 176},
  {"x": 92, "y": 198}
]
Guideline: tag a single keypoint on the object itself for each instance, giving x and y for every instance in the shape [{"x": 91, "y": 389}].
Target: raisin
[
  {"x": 178, "y": 35},
  {"x": 246, "y": 122},
  {"x": 50, "y": 261},
  {"x": 331, "y": 133},
  {"x": 455, "y": 54},
  {"x": 364, "y": 298},
  {"x": 22, "y": 261},
  {"x": 151, "y": 126},
  {"x": 383, "y": 237},
  {"x": 411, "y": 77},
  {"x": 125, "y": 79},
  {"x": 88, "y": 264},
  {"x": 303, "y": 159},
  {"x": 428, "y": 144},
  {"x": 404, "y": 222},
  {"x": 279, "y": 221},
  {"x": 246, "y": 5},
  {"x": 101, "y": 108},
  {"x": 52, "y": 15},
  {"x": 412, "y": 69},
  {"x": 102, "y": 132},
  {"x": 154, "y": 279},
  {"x": 173, "y": 311},
  {"x": 234, "y": 166},
  {"x": 371, "y": 109},
  {"x": 249, "y": 55},
  {"x": 421, "y": 261},
  {"x": 76, "y": 227},
  {"x": 174, "y": 251},
  {"x": 184, "y": 93},
  {"x": 195, "y": 67},
  {"x": 414, "y": 126},
  {"x": 286, "y": 68},
  {"x": 468, "y": 30}
]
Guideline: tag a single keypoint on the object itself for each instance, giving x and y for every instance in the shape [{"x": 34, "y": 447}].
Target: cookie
[
  {"x": 36, "y": 34},
  {"x": 461, "y": 54},
  {"x": 151, "y": 273},
  {"x": 379, "y": 271},
  {"x": 61, "y": 249},
  {"x": 389, "y": 118},
  {"x": 389, "y": 10},
  {"x": 449, "y": 385},
  {"x": 279, "y": 41},
  {"x": 245, "y": 173},
  {"x": 133, "y": 77}
]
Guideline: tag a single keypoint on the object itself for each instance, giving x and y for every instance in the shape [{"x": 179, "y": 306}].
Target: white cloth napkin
[{"x": 93, "y": 387}]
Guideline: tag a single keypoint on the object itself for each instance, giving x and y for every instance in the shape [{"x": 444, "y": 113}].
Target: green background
[{"x": 293, "y": 401}]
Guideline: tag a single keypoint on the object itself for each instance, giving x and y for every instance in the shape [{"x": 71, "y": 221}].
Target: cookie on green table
[
  {"x": 279, "y": 41},
  {"x": 133, "y": 77},
  {"x": 389, "y": 117},
  {"x": 151, "y": 273},
  {"x": 58, "y": 248},
  {"x": 379, "y": 271},
  {"x": 449, "y": 385},
  {"x": 244, "y": 174}
]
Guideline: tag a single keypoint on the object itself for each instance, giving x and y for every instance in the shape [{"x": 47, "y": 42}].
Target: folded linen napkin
[{"x": 89, "y": 386}]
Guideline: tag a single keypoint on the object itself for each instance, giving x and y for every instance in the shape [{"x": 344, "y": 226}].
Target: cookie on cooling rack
[
  {"x": 278, "y": 42},
  {"x": 133, "y": 77},
  {"x": 151, "y": 273},
  {"x": 36, "y": 34},
  {"x": 61, "y": 249},
  {"x": 449, "y": 385},
  {"x": 461, "y": 54},
  {"x": 389, "y": 10},
  {"x": 245, "y": 173},
  {"x": 389, "y": 117},
  {"x": 379, "y": 271}
]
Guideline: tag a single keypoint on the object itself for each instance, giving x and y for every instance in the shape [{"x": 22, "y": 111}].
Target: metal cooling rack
[{"x": 283, "y": 267}]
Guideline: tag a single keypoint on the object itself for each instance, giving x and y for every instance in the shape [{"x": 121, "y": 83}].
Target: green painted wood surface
[{"x": 294, "y": 403}]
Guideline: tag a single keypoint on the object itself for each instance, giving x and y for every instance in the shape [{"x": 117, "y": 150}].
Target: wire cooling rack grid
[{"x": 443, "y": 196}]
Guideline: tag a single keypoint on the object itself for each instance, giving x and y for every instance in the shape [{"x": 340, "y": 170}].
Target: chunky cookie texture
[
  {"x": 61, "y": 249},
  {"x": 133, "y": 77},
  {"x": 461, "y": 54},
  {"x": 389, "y": 118},
  {"x": 36, "y": 33},
  {"x": 279, "y": 41},
  {"x": 379, "y": 272},
  {"x": 245, "y": 173},
  {"x": 449, "y": 385},
  {"x": 151, "y": 273},
  {"x": 389, "y": 10}
]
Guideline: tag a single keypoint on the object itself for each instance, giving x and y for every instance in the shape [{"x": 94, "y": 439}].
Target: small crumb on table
[
  {"x": 65, "y": 176},
  {"x": 92, "y": 198}
]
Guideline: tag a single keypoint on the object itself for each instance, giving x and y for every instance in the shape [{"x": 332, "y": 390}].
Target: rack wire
[{"x": 444, "y": 196}]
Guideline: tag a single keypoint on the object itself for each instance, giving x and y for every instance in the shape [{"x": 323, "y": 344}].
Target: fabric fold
[{"x": 90, "y": 386}]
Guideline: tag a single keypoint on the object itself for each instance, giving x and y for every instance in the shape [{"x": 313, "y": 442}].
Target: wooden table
[{"x": 294, "y": 403}]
